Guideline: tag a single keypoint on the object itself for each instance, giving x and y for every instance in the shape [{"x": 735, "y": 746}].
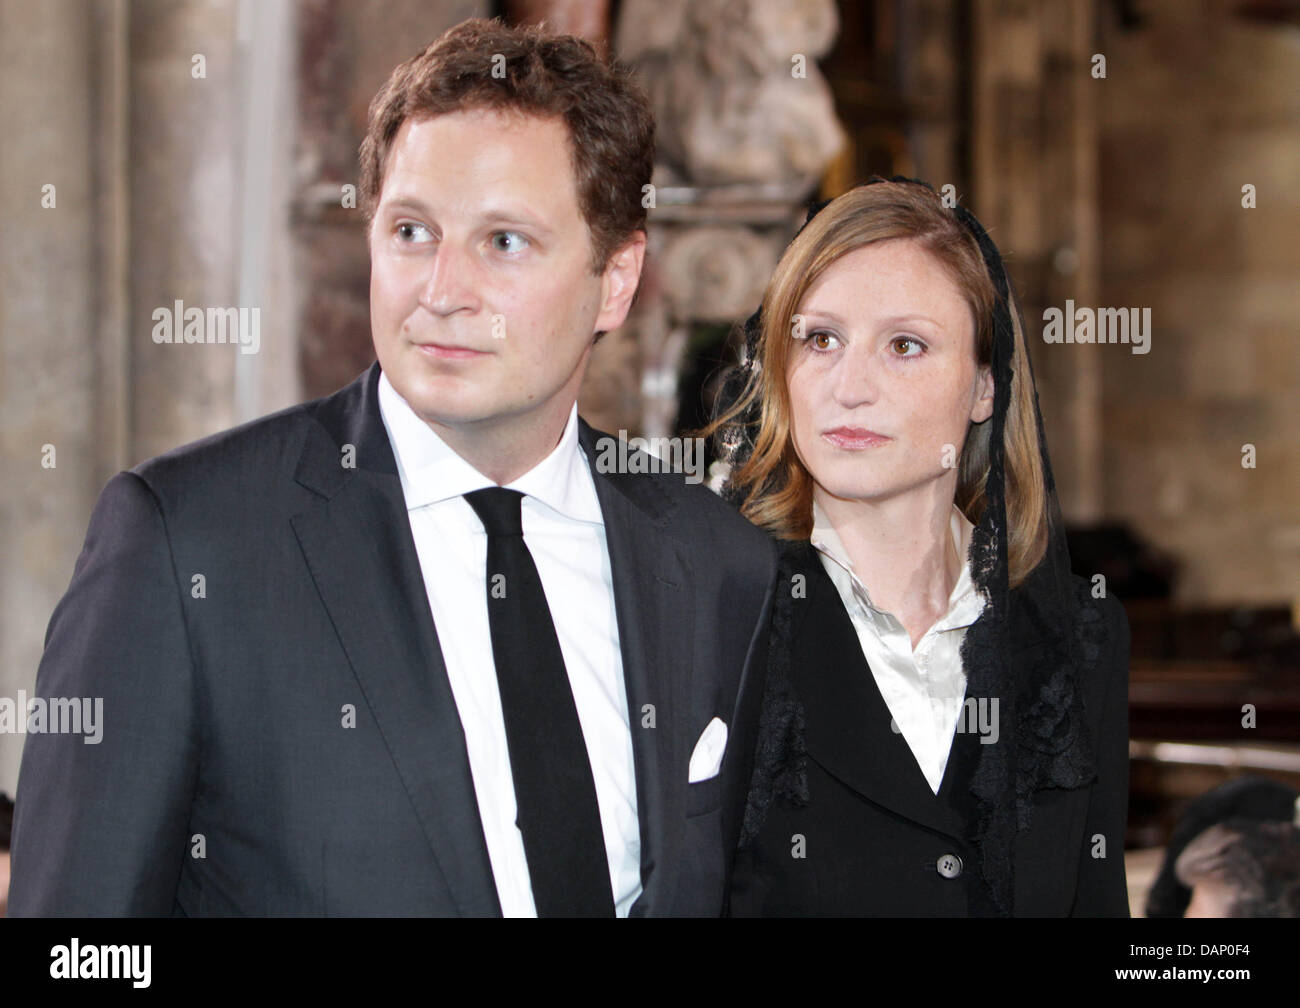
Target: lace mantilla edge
[{"x": 1053, "y": 746}]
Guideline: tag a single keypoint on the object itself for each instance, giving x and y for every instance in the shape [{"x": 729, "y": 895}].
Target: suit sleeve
[
  {"x": 745, "y": 722},
  {"x": 1102, "y": 884},
  {"x": 100, "y": 827},
  {"x": 745, "y": 718}
]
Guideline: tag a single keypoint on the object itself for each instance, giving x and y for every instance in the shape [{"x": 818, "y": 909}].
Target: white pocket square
[{"x": 706, "y": 760}]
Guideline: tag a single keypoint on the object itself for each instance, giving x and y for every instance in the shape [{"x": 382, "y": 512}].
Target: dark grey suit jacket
[{"x": 236, "y": 598}]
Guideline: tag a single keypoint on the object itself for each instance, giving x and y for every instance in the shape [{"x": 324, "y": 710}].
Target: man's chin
[
  {"x": 438, "y": 412},
  {"x": 445, "y": 399}
]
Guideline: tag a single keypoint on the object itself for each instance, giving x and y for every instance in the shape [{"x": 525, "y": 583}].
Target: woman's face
[{"x": 884, "y": 382}]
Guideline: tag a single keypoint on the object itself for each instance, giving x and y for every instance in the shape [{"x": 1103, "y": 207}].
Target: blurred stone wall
[
  {"x": 346, "y": 50},
  {"x": 1198, "y": 102},
  {"x": 146, "y": 153},
  {"x": 223, "y": 188}
]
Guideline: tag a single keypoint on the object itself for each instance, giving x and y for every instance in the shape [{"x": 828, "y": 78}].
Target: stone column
[
  {"x": 183, "y": 217},
  {"x": 158, "y": 128},
  {"x": 48, "y": 346},
  {"x": 745, "y": 130}
]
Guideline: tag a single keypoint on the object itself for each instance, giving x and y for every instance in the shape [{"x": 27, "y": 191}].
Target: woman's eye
[
  {"x": 822, "y": 340},
  {"x": 905, "y": 346},
  {"x": 410, "y": 232},
  {"x": 508, "y": 241}
]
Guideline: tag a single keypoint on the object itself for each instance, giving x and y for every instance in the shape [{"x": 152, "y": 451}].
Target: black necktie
[{"x": 555, "y": 792}]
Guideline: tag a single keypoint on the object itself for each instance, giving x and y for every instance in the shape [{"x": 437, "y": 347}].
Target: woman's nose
[{"x": 857, "y": 378}]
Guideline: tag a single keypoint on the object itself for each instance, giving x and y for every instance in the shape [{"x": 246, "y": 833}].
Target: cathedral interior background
[{"x": 1126, "y": 154}]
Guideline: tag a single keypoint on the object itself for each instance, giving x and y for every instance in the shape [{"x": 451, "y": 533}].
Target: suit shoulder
[
  {"x": 1101, "y": 637},
  {"x": 697, "y": 515},
  {"x": 1093, "y": 607},
  {"x": 243, "y": 455},
  {"x": 720, "y": 523}
]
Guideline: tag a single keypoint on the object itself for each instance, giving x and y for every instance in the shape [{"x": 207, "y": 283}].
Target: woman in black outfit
[{"x": 945, "y": 720}]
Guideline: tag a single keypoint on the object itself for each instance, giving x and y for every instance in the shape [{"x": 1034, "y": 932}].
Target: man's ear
[
  {"x": 983, "y": 408},
  {"x": 619, "y": 283}
]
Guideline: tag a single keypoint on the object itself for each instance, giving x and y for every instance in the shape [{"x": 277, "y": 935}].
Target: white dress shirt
[
  {"x": 924, "y": 687},
  {"x": 565, "y": 533}
]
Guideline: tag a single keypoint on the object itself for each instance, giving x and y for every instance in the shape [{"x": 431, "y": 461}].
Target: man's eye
[
  {"x": 408, "y": 231},
  {"x": 906, "y": 346},
  {"x": 509, "y": 241}
]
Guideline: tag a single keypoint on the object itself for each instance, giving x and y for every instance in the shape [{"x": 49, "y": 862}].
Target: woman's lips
[{"x": 854, "y": 438}]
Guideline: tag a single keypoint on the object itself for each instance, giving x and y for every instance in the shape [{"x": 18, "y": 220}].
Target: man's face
[{"x": 483, "y": 305}]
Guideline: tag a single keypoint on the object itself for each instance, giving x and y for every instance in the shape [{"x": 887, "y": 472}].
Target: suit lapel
[
  {"x": 655, "y": 607},
  {"x": 848, "y": 724},
  {"x": 356, "y": 539}
]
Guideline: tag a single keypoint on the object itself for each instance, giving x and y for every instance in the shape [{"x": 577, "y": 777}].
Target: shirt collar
[
  {"x": 965, "y": 602},
  {"x": 431, "y": 471}
]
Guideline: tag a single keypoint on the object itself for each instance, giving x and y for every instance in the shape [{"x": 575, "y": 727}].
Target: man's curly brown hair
[{"x": 609, "y": 119}]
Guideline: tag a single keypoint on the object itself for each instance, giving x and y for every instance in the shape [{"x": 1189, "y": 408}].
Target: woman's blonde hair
[{"x": 776, "y": 488}]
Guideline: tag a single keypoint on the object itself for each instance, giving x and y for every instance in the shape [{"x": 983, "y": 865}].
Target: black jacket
[
  {"x": 850, "y": 798},
  {"x": 226, "y": 782}
]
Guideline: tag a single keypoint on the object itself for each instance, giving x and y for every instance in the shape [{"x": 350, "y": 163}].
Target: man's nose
[
  {"x": 857, "y": 378},
  {"x": 449, "y": 286}
]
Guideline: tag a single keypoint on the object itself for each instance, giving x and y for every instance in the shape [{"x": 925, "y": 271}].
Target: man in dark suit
[{"x": 413, "y": 648}]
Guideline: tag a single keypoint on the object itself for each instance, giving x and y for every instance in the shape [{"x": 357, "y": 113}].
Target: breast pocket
[{"x": 704, "y": 796}]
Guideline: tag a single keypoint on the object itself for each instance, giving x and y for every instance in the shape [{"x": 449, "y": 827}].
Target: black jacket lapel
[
  {"x": 848, "y": 724},
  {"x": 655, "y": 607},
  {"x": 357, "y": 542}
]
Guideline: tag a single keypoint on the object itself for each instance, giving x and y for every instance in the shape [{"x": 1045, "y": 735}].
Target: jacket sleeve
[
  {"x": 745, "y": 719},
  {"x": 101, "y": 817},
  {"x": 1102, "y": 885}
]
